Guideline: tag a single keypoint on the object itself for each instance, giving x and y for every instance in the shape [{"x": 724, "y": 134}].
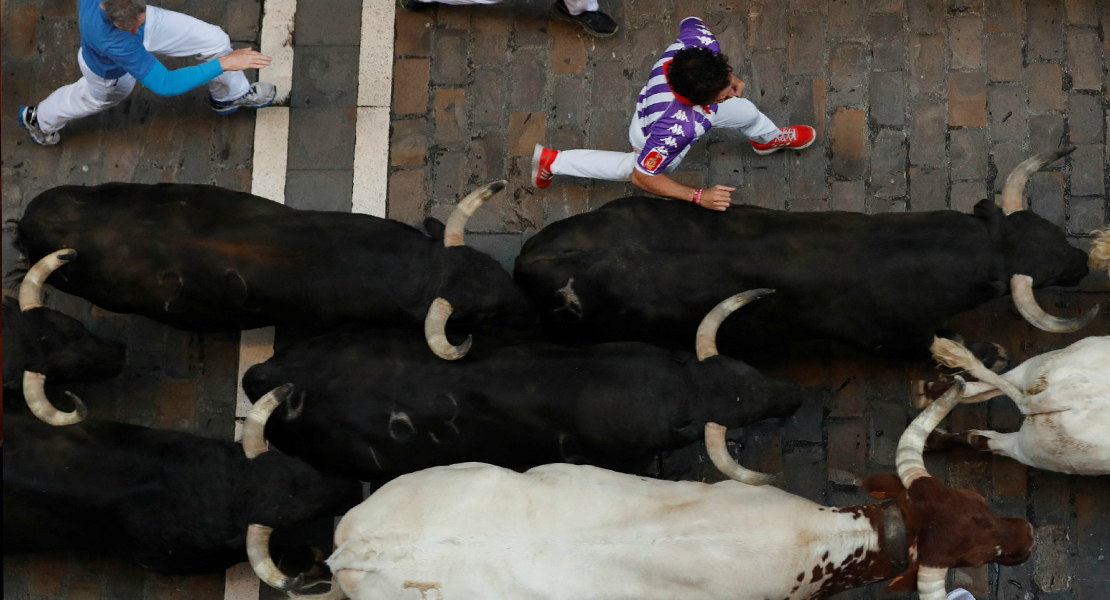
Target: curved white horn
[
  {"x": 453, "y": 232},
  {"x": 258, "y": 553},
  {"x": 34, "y": 391},
  {"x": 30, "y": 291},
  {"x": 930, "y": 583},
  {"x": 1021, "y": 287},
  {"x": 955, "y": 355},
  {"x": 254, "y": 428},
  {"x": 435, "y": 331},
  {"x": 909, "y": 460},
  {"x": 1098, "y": 259},
  {"x": 718, "y": 453},
  {"x": 1015, "y": 182},
  {"x": 706, "y": 341}
]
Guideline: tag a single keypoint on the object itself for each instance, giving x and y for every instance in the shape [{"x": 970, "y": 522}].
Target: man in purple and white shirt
[{"x": 691, "y": 89}]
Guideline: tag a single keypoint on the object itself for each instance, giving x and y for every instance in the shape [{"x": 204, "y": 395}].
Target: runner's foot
[
  {"x": 28, "y": 119},
  {"x": 261, "y": 94},
  {"x": 541, "y": 165},
  {"x": 595, "y": 22},
  {"x": 795, "y": 137}
]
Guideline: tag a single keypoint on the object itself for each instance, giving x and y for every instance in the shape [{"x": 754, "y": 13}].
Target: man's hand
[
  {"x": 717, "y": 197},
  {"x": 243, "y": 59}
]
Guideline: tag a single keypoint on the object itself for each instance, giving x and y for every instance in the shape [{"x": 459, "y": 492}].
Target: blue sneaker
[
  {"x": 261, "y": 94},
  {"x": 29, "y": 121}
]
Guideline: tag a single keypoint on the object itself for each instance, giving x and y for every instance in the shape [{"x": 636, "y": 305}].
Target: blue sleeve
[{"x": 164, "y": 82}]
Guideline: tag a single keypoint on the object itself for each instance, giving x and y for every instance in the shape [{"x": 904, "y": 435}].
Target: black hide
[
  {"x": 375, "y": 405},
  {"x": 43, "y": 340},
  {"x": 203, "y": 258},
  {"x": 650, "y": 269},
  {"x": 170, "y": 501}
]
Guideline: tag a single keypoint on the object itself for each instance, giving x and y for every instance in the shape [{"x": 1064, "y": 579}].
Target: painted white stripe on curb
[
  {"x": 375, "y": 86},
  {"x": 277, "y": 42}
]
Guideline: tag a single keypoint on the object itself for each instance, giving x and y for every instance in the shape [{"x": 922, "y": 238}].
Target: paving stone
[
  {"x": 819, "y": 110},
  {"x": 925, "y": 16},
  {"x": 176, "y": 405},
  {"x": 1082, "y": 12},
  {"x": 528, "y": 77},
  {"x": 525, "y": 131},
  {"x": 807, "y": 44},
  {"x": 888, "y": 42},
  {"x": 972, "y": 474},
  {"x": 487, "y": 156},
  {"x": 801, "y": 106},
  {"x": 608, "y": 131},
  {"x": 1092, "y": 579},
  {"x": 1050, "y": 558},
  {"x": 849, "y": 129},
  {"x": 967, "y": 99},
  {"x": 887, "y": 423},
  {"x": 325, "y": 77},
  {"x": 1092, "y": 527},
  {"x": 966, "y": 194},
  {"x": 449, "y": 56},
  {"x": 568, "y": 50},
  {"x": 1006, "y": 111},
  {"x": 243, "y": 20},
  {"x": 1087, "y": 215},
  {"x": 1045, "y": 86},
  {"x": 766, "y": 84},
  {"x": 927, "y": 64},
  {"x": 1050, "y": 493},
  {"x": 1085, "y": 119},
  {"x": 22, "y": 31},
  {"x": 569, "y": 102},
  {"x": 1087, "y": 171},
  {"x": 410, "y": 86},
  {"x": 1005, "y": 16},
  {"x": 928, "y": 189},
  {"x": 1046, "y": 132},
  {"x": 973, "y": 579},
  {"x": 767, "y": 23},
  {"x": 413, "y": 33},
  {"x": 1084, "y": 60},
  {"x": 503, "y": 247},
  {"x": 968, "y": 153},
  {"x": 847, "y": 446},
  {"x": 759, "y": 179},
  {"x": 1045, "y": 194},
  {"x": 332, "y": 23},
  {"x": 319, "y": 190},
  {"x": 847, "y": 18},
  {"x": 806, "y": 173},
  {"x": 965, "y": 41},
  {"x": 47, "y": 572},
  {"x": 409, "y": 142},
  {"x": 848, "y": 75},
  {"x": 805, "y": 472},
  {"x": 1008, "y": 477},
  {"x": 886, "y": 6},
  {"x": 888, "y": 98},
  {"x": 486, "y": 97},
  {"x": 1045, "y": 33},
  {"x": 847, "y": 196},
  {"x": 450, "y": 116},
  {"x": 1004, "y": 56},
  {"x": 927, "y": 133},
  {"x": 490, "y": 32},
  {"x": 1006, "y": 156},
  {"x": 888, "y": 164},
  {"x": 407, "y": 197},
  {"x": 448, "y": 177},
  {"x": 308, "y": 149},
  {"x": 574, "y": 200}
]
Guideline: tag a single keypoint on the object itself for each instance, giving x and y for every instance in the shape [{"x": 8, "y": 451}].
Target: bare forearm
[{"x": 661, "y": 185}]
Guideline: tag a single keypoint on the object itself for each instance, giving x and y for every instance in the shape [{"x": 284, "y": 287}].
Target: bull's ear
[
  {"x": 885, "y": 486},
  {"x": 434, "y": 228},
  {"x": 986, "y": 209}
]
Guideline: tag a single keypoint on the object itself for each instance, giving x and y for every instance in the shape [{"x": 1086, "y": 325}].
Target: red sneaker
[
  {"x": 541, "y": 165},
  {"x": 795, "y": 137}
]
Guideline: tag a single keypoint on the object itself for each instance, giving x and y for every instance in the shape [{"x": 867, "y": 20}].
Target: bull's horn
[
  {"x": 34, "y": 391},
  {"x": 30, "y": 291},
  {"x": 258, "y": 536},
  {"x": 706, "y": 341},
  {"x": 930, "y": 582},
  {"x": 435, "y": 331},
  {"x": 955, "y": 355},
  {"x": 258, "y": 553},
  {"x": 453, "y": 233},
  {"x": 1099, "y": 257},
  {"x": 1012, "y": 200},
  {"x": 718, "y": 453},
  {"x": 909, "y": 459},
  {"x": 254, "y": 429},
  {"x": 1021, "y": 287}
]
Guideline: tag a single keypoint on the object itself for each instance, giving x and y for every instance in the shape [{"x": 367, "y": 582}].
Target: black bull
[
  {"x": 647, "y": 269},
  {"x": 204, "y": 258},
  {"x": 375, "y": 405},
  {"x": 173, "y": 502}
]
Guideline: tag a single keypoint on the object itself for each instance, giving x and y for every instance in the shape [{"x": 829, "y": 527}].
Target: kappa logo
[
  {"x": 679, "y": 115},
  {"x": 652, "y": 161},
  {"x": 676, "y": 129}
]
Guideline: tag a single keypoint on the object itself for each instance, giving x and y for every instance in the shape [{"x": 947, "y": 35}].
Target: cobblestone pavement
[{"x": 919, "y": 105}]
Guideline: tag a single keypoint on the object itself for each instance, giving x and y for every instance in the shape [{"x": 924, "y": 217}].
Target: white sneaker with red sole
[
  {"x": 541, "y": 165},
  {"x": 795, "y": 137}
]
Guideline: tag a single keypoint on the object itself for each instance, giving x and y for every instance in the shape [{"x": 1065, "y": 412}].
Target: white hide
[
  {"x": 1067, "y": 410},
  {"x": 568, "y": 531}
]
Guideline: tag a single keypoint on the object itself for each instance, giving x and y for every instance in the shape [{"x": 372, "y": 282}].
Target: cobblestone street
[{"x": 919, "y": 105}]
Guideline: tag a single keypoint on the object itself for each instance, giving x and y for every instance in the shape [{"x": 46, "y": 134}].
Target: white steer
[
  {"x": 1064, "y": 395},
  {"x": 475, "y": 531}
]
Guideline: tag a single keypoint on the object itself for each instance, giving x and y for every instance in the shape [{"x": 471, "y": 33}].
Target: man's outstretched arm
[{"x": 716, "y": 197}]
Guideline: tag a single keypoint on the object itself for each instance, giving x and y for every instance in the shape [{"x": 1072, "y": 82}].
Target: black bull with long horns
[
  {"x": 643, "y": 268},
  {"x": 203, "y": 258}
]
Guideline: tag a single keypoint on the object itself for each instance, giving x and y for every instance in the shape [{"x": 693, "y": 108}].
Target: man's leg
[
  {"x": 174, "y": 34},
  {"x": 588, "y": 14},
  {"x": 87, "y": 96},
  {"x": 765, "y": 136},
  {"x": 595, "y": 164}
]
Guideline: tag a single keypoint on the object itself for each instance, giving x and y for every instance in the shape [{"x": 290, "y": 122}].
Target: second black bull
[
  {"x": 203, "y": 258},
  {"x": 647, "y": 269},
  {"x": 375, "y": 405}
]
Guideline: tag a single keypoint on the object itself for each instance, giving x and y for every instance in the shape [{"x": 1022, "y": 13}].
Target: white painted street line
[
  {"x": 271, "y": 153},
  {"x": 375, "y": 85},
  {"x": 277, "y": 42}
]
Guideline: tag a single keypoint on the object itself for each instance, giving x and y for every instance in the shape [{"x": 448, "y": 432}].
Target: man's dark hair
[{"x": 699, "y": 75}]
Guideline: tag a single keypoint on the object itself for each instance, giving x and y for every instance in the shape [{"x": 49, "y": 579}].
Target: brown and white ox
[
  {"x": 1064, "y": 395},
  {"x": 568, "y": 531}
]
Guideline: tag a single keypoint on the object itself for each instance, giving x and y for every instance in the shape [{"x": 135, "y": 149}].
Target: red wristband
[{"x": 697, "y": 197}]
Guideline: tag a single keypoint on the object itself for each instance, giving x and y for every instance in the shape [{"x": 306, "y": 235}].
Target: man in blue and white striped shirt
[{"x": 691, "y": 89}]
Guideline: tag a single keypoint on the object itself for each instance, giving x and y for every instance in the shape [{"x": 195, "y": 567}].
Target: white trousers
[
  {"x": 168, "y": 33},
  {"x": 576, "y": 7},
  {"x": 734, "y": 113}
]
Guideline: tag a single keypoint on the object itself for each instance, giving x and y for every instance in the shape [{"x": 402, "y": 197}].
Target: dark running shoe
[
  {"x": 28, "y": 119},
  {"x": 595, "y": 22},
  {"x": 414, "y": 5}
]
